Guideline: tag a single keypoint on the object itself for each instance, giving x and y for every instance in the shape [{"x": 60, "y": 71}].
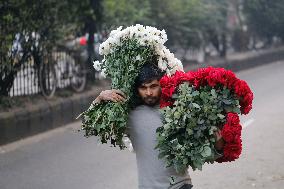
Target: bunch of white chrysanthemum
[
  {"x": 125, "y": 52},
  {"x": 145, "y": 36}
]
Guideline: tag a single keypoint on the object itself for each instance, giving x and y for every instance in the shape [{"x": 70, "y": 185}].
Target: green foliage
[
  {"x": 39, "y": 24},
  {"x": 265, "y": 18},
  {"x": 125, "y": 12},
  {"x": 191, "y": 23},
  {"x": 108, "y": 120},
  {"x": 187, "y": 136}
]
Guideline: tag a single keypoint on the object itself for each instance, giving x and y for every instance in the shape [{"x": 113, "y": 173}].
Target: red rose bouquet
[{"x": 195, "y": 105}]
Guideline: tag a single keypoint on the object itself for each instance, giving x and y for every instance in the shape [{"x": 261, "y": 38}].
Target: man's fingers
[
  {"x": 113, "y": 99},
  {"x": 116, "y": 98},
  {"x": 119, "y": 92},
  {"x": 119, "y": 98}
]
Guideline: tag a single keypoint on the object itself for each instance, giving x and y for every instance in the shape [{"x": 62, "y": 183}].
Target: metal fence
[
  {"x": 61, "y": 69},
  {"x": 26, "y": 81}
]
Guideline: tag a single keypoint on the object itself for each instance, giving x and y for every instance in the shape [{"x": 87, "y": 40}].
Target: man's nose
[{"x": 149, "y": 92}]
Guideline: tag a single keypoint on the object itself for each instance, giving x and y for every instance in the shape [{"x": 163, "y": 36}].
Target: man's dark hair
[{"x": 149, "y": 71}]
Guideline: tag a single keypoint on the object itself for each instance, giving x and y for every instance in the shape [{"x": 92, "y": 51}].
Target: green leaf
[
  {"x": 189, "y": 131},
  {"x": 213, "y": 93},
  {"x": 206, "y": 151},
  {"x": 177, "y": 115},
  {"x": 212, "y": 117},
  {"x": 227, "y": 102},
  {"x": 195, "y": 93},
  {"x": 200, "y": 121},
  {"x": 168, "y": 119},
  {"x": 221, "y": 116},
  {"x": 196, "y": 105}
]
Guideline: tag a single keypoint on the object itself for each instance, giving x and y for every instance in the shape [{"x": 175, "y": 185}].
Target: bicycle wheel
[
  {"x": 78, "y": 79},
  {"x": 47, "y": 79}
]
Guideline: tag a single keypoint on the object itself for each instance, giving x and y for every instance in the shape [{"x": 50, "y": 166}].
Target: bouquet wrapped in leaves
[
  {"x": 125, "y": 52},
  {"x": 196, "y": 104}
]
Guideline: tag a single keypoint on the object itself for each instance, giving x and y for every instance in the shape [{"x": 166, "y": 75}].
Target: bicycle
[
  {"x": 71, "y": 69},
  {"x": 50, "y": 70}
]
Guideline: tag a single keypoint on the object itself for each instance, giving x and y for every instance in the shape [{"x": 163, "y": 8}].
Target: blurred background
[
  {"x": 49, "y": 44},
  {"x": 47, "y": 49}
]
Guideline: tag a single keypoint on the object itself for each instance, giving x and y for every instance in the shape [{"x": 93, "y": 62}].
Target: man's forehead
[{"x": 150, "y": 82}]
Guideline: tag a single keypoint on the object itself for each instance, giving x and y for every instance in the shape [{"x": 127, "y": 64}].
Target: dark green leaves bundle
[
  {"x": 187, "y": 136},
  {"x": 108, "y": 120}
]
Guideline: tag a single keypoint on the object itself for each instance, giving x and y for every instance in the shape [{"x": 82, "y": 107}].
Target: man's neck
[{"x": 156, "y": 106}]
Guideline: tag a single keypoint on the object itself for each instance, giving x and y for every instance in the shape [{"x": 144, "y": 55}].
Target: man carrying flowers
[
  {"x": 144, "y": 119},
  {"x": 175, "y": 120}
]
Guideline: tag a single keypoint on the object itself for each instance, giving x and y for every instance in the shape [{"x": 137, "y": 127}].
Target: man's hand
[
  {"x": 113, "y": 95},
  {"x": 219, "y": 144}
]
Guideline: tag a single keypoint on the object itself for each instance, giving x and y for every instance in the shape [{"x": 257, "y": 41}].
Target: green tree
[
  {"x": 125, "y": 12},
  {"x": 214, "y": 25},
  {"x": 192, "y": 23},
  {"x": 265, "y": 18},
  {"x": 86, "y": 16},
  {"x": 37, "y": 23}
]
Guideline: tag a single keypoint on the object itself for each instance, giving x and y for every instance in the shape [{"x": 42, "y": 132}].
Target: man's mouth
[{"x": 150, "y": 100}]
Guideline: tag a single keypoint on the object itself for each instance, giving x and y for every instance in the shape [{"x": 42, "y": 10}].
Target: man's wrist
[{"x": 97, "y": 100}]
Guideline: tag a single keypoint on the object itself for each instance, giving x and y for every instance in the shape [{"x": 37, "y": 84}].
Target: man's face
[{"x": 150, "y": 92}]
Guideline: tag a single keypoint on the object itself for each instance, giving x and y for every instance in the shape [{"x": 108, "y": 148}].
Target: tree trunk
[
  {"x": 7, "y": 82},
  {"x": 8, "y": 76},
  {"x": 92, "y": 27},
  {"x": 223, "y": 51}
]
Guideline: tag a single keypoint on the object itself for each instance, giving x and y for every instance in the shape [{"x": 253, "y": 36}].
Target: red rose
[
  {"x": 168, "y": 92},
  {"x": 165, "y": 81},
  {"x": 216, "y": 76},
  {"x": 231, "y": 79},
  {"x": 232, "y": 151},
  {"x": 200, "y": 76},
  {"x": 246, "y": 109},
  {"x": 168, "y": 86},
  {"x": 233, "y": 118},
  {"x": 165, "y": 103},
  {"x": 241, "y": 88},
  {"x": 190, "y": 77},
  {"x": 229, "y": 133},
  {"x": 179, "y": 77}
]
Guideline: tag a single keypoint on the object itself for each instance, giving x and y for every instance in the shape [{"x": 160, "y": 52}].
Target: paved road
[{"x": 64, "y": 159}]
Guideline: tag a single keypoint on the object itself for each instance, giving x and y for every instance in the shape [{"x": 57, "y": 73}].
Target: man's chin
[{"x": 151, "y": 103}]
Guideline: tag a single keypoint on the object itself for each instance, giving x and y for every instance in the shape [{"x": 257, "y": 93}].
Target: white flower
[
  {"x": 104, "y": 48},
  {"x": 97, "y": 65},
  {"x": 179, "y": 65},
  {"x": 162, "y": 64},
  {"x": 113, "y": 41},
  {"x": 138, "y": 58},
  {"x": 114, "y": 32},
  {"x": 103, "y": 73},
  {"x": 145, "y": 36}
]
